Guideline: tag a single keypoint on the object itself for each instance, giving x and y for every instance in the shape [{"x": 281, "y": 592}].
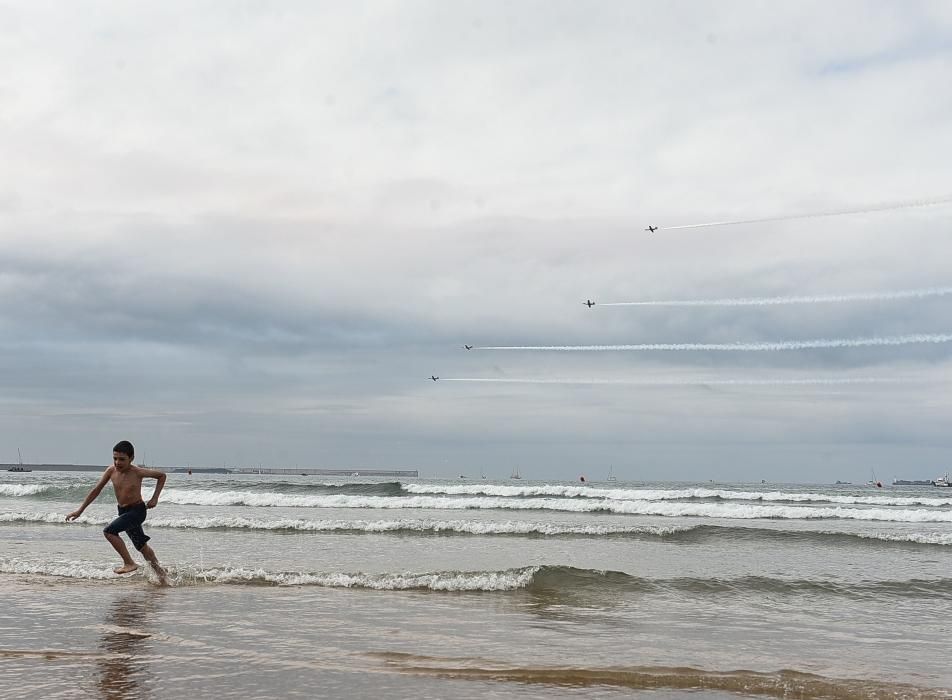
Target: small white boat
[
  {"x": 942, "y": 481},
  {"x": 611, "y": 474},
  {"x": 515, "y": 474}
]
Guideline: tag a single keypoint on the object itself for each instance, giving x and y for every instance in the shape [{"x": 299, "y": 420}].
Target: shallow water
[{"x": 498, "y": 589}]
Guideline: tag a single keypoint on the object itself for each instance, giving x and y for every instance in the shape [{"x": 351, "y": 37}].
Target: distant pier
[{"x": 282, "y": 471}]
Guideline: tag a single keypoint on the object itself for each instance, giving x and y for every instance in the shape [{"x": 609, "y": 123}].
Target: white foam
[
  {"x": 22, "y": 489},
  {"x": 942, "y": 538},
  {"x": 508, "y": 580},
  {"x": 443, "y": 581},
  {"x": 565, "y": 491},
  {"x": 474, "y": 527},
  {"x": 69, "y": 569},
  {"x": 576, "y": 505}
]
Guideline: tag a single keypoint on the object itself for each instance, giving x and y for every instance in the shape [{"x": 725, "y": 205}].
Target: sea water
[{"x": 294, "y": 586}]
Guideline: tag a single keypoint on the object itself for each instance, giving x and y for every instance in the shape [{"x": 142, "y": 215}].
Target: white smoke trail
[
  {"x": 675, "y": 381},
  {"x": 814, "y": 299},
  {"x": 839, "y": 212},
  {"x": 743, "y": 347}
]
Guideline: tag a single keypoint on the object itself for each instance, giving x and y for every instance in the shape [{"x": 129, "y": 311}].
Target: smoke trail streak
[
  {"x": 815, "y": 299},
  {"x": 839, "y": 212},
  {"x": 744, "y": 347},
  {"x": 676, "y": 381}
]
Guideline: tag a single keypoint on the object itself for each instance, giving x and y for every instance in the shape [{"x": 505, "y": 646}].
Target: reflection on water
[{"x": 124, "y": 670}]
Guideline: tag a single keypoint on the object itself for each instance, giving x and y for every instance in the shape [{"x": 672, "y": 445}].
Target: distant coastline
[{"x": 57, "y": 467}]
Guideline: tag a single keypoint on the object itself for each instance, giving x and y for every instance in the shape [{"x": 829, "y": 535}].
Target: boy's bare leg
[
  {"x": 150, "y": 557},
  {"x": 128, "y": 565}
]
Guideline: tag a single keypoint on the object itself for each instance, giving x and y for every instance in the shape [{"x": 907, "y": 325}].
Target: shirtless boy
[{"x": 126, "y": 481}]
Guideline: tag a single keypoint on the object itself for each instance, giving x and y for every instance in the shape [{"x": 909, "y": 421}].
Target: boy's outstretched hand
[
  {"x": 152, "y": 503},
  {"x": 72, "y": 516}
]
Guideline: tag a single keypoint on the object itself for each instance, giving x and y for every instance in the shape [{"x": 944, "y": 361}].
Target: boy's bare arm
[
  {"x": 93, "y": 495},
  {"x": 160, "y": 482}
]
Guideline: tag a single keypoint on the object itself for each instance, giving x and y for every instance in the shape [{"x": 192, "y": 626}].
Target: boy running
[{"x": 127, "y": 483}]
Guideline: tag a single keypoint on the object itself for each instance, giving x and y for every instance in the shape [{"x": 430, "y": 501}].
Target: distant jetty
[{"x": 283, "y": 471}]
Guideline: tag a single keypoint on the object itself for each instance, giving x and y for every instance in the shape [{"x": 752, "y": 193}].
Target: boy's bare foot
[
  {"x": 126, "y": 569},
  {"x": 161, "y": 573}
]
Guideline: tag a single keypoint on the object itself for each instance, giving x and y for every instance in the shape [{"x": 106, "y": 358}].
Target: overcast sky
[{"x": 247, "y": 232}]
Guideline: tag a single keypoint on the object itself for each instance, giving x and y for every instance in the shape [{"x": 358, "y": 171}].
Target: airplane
[
  {"x": 651, "y": 229},
  {"x": 434, "y": 378},
  {"x": 468, "y": 347},
  {"x": 589, "y": 303}
]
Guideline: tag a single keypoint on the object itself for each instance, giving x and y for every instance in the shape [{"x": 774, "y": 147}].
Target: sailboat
[
  {"x": 19, "y": 467},
  {"x": 515, "y": 474},
  {"x": 874, "y": 482},
  {"x": 611, "y": 475}
]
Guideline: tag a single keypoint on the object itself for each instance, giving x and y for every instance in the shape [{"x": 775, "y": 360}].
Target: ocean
[{"x": 305, "y": 586}]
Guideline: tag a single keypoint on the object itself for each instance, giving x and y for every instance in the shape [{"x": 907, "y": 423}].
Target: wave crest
[{"x": 539, "y": 579}]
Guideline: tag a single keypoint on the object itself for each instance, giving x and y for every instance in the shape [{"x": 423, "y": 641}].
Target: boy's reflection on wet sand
[{"x": 124, "y": 669}]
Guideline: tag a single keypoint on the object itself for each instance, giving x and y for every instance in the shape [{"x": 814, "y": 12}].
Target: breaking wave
[
  {"x": 23, "y": 489},
  {"x": 625, "y": 494},
  {"x": 534, "y": 579},
  {"x": 425, "y": 526},
  {"x": 327, "y": 495},
  {"x": 406, "y": 525},
  {"x": 587, "y": 505}
]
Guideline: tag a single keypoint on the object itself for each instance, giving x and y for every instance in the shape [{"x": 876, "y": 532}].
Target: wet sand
[{"x": 128, "y": 638}]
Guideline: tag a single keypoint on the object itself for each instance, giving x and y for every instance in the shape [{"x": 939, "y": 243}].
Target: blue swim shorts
[{"x": 130, "y": 521}]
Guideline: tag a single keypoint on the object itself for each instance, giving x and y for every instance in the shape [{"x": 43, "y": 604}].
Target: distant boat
[
  {"x": 463, "y": 476},
  {"x": 20, "y": 467},
  {"x": 515, "y": 474},
  {"x": 942, "y": 481},
  {"x": 611, "y": 475},
  {"x": 875, "y": 482},
  {"x": 913, "y": 482}
]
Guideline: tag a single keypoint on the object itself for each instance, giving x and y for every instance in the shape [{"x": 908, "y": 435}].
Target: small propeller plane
[
  {"x": 651, "y": 229},
  {"x": 589, "y": 303},
  {"x": 434, "y": 377},
  {"x": 468, "y": 347}
]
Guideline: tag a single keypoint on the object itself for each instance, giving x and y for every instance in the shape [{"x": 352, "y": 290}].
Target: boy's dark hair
[{"x": 125, "y": 447}]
